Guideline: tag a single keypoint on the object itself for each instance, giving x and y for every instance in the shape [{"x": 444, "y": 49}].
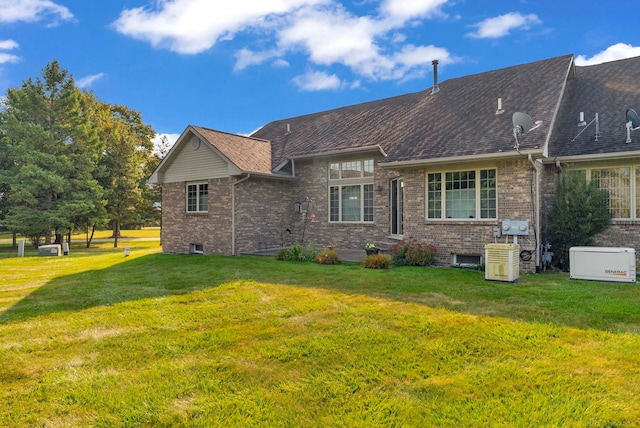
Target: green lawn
[{"x": 99, "y": 339}]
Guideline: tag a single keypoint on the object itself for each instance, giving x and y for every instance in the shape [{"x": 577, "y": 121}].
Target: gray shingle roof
[
  {"x": 459, "y": 120},
  {"x": 608, "y": 89}
]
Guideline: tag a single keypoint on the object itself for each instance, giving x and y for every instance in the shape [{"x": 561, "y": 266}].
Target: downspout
[
  {"x": 233, "y": 213},
  {"x": 536, "y": 205}
]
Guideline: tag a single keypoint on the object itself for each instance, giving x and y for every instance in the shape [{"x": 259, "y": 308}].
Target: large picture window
[
  {"x": 623, "y": 185},
  {"x": 462, "y": 194},
  {"x": 197, "y": 197},
  {"x": 351, "y": 191}
]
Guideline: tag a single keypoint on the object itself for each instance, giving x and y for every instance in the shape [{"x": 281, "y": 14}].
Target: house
[{"x": 445, "y": 165}]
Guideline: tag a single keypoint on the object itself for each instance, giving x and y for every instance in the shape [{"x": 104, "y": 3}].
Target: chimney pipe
[{"x": 436, "y": 88}]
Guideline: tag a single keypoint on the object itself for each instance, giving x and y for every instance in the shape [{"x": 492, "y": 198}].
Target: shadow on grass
[
  {"x": 543, "y": 298},
  {"x": 155, "y": 275}
]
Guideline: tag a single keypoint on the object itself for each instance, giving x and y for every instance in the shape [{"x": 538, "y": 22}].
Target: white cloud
[
  {"x": 336, "y": 37},
  {"x": 612, "y": 53},
  {"x": 322, "y": 30},
  {"x": 247, "y": 58},
  {"x": 317, "y": 81},
  {"x": 8, "y": 58},
  {"x": 87, "y": 81},
  {"x": 409, "y": 9},
  {"x": 6, "y": 45},
  {"x": 32, "y": 10},
  {"x": 500, "y": 26},
  {"x": 194, "y": 26}
]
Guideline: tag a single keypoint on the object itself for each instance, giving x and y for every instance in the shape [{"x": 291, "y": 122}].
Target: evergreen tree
[
  {"x": 128, "y": 148},
  {"x": 579, "y": 213},
  {"x": 51, "y": 152}
]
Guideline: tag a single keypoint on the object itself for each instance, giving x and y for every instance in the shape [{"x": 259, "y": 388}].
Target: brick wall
[
  {"x": 211, "y": 229},
  {"x": 313, "y": 184},
  {"x": 469, "y": 237},
  {"x": 621, "y": 233},
  {"x": 265, "y": 215}
]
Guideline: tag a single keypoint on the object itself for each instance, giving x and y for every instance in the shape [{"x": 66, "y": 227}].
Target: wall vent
[
  {"x": 196, "y": 249},
  {"x": 466, "y": 260}
]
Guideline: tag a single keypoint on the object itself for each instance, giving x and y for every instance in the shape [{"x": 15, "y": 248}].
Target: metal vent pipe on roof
[{"x": 436, "y": 88}]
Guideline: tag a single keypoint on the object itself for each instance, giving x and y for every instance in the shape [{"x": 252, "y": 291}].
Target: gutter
[
  {"x": 536, "y": 202},
  {"x": 233, "y": 213},
  {"x": 458, "y": 159},
  {"x": 592, "y": 157}
]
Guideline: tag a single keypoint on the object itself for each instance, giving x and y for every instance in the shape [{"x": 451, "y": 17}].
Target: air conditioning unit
[
  {"x": 502, "y": 262},
  {"x": 616, "y": 264}
]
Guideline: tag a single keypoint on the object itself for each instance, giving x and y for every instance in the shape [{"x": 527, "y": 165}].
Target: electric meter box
[{"x": 612, "y": 264}]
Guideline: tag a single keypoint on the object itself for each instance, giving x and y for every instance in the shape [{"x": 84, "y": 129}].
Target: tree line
[{"x": 72, "y": 163}]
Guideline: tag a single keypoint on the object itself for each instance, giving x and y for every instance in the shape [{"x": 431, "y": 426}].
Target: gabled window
[
  {"x": 197, "y": 197},
  {"x": 351, "y": 191},
  {"x": 461, "y": 195}
]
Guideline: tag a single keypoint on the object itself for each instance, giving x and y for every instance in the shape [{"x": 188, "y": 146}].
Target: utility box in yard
[
  {"x": 50, "y": 250},
  {"x": 616, "y": 264},
  {"x": 502, "y": 262}
]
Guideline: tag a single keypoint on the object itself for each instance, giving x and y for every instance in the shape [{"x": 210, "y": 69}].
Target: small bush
[
  {"x": 412, "y": 253},
  {"x": 298, "y": 253},
  {"x": 328, "y": 257},
  {"x": 377, "y": 261}
]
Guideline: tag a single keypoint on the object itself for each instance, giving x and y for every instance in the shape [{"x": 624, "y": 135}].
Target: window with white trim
[
  {"x": 197, "y": 197},
  {"x": 461, "y": 195},
  {"x": 623, "y": 185},
  {"x": 351, "y": 191}
]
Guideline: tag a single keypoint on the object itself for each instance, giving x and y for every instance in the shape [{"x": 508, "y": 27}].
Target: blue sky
[{"x": 237, "y": 65}]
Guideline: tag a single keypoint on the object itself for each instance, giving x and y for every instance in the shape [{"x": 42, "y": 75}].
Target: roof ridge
[{"x": 249, "y": 137}]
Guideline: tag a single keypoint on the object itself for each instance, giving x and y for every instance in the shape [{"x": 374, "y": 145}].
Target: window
[
  {"x": 351, "y": 191},
  {"x": 397, "y": 206},
  {"x": 462, "y": 194},
  {"x": 197, "y": 197},
  {"x": 621, "y": 185}
]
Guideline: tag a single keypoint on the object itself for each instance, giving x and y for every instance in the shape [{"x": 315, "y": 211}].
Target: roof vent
[
  {"x": 436, "y": 88},
  {"x": 499, "y": 110}
]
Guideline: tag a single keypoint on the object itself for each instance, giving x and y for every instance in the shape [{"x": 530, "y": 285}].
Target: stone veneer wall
[
  {"x": 211, "y": 229},
  {"x": 514, "y": 191}
]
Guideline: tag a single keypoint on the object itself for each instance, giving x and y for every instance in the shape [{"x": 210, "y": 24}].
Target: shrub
[
  {"x": 298, "y": 253},
  {"x": 328, "y": 257},
  {"x": 377, "y": 261},
  {"x": 412, "y": 253},
  {"x": 579, "y": 212}
]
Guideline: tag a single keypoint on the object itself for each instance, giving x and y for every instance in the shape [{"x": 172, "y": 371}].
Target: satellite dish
[
  {"x": 632, "y": 117},
  {"x": 633, "y": 123},
  {"x": 522, "y": 122}
]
